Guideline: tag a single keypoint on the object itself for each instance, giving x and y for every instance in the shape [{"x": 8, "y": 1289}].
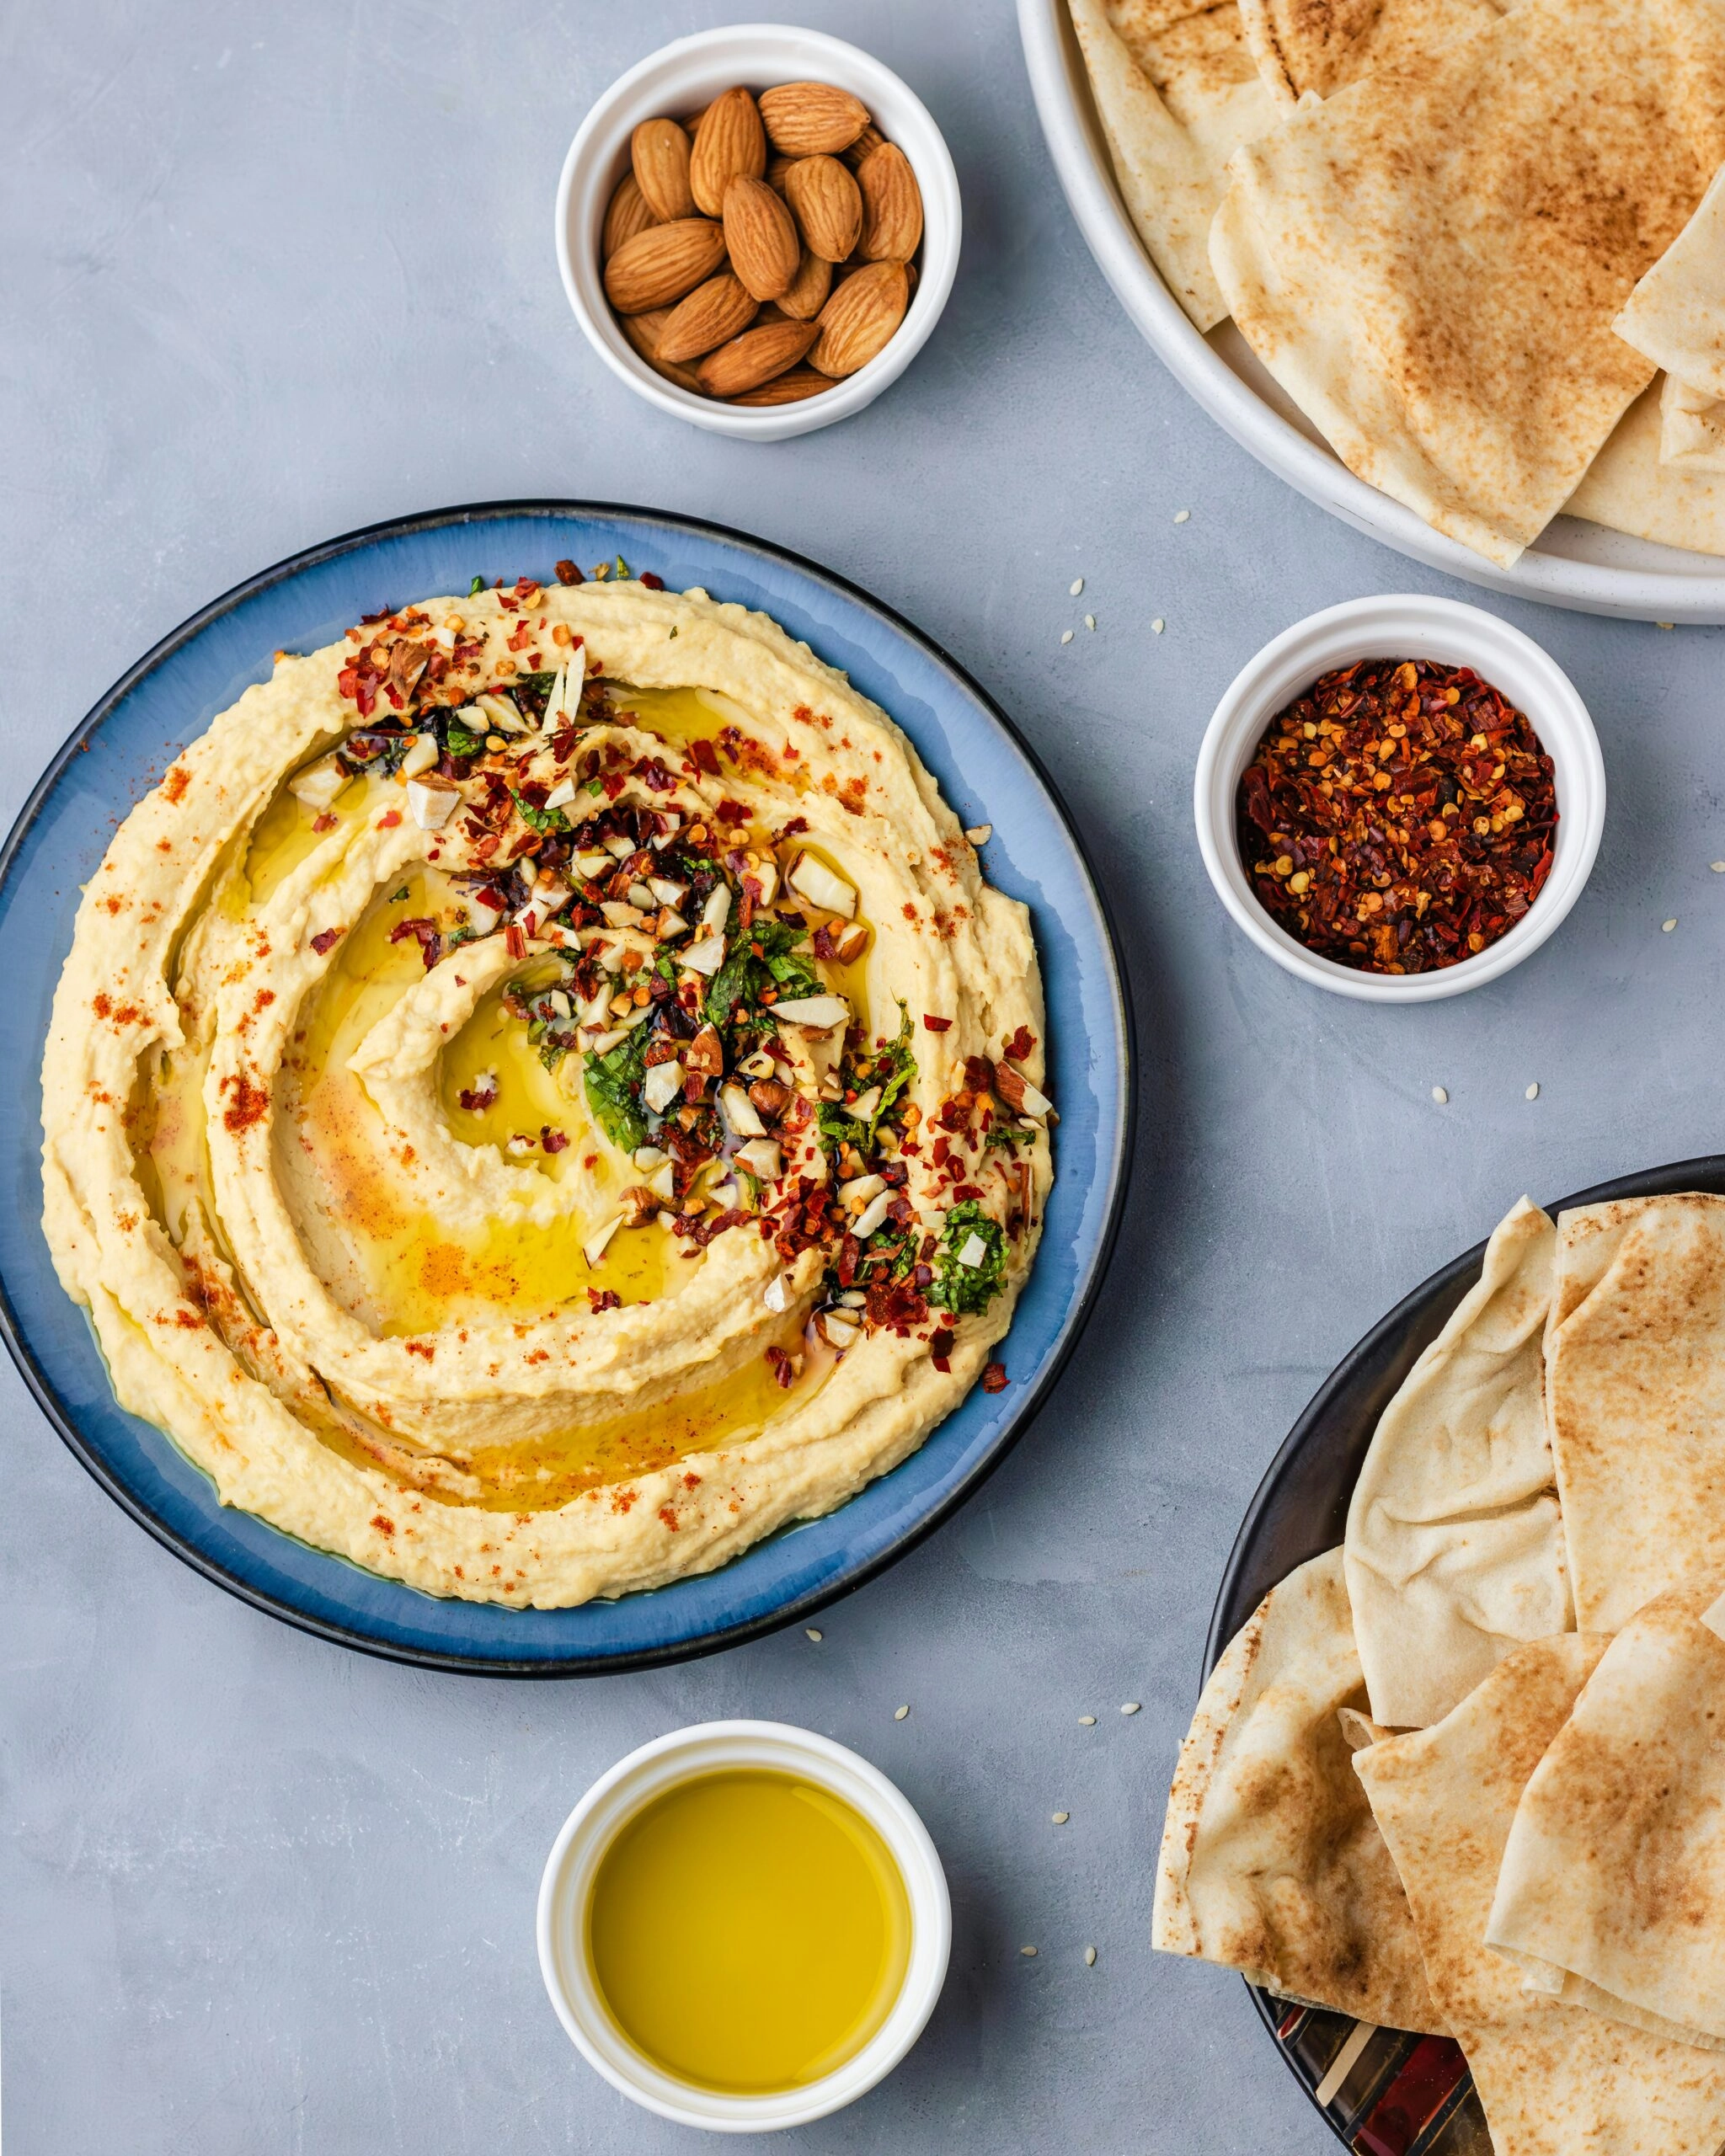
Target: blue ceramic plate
[{"x": 985, "y": 772}]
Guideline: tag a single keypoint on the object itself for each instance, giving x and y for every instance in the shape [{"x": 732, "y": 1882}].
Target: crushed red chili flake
[
  {"x": 994, "y": 1377},
  {"x": 1399, "y": 817},
  {"x": 567, "y": 572},
  {"x": 653, "y": 583},
  {"x": 326, "y": 939},
  {"x": 936, "y": 1025}
]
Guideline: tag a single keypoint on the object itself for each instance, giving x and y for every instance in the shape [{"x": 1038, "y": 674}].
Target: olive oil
[{"x": 748, "y": 1931}]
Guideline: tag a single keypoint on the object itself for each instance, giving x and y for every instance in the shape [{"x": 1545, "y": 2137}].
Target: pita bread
[
  {"x": 1675, "y": 316},
  {"x": 1553, "y": 2079},
  {"x": 1176, "y": 92},
  {"x": 1270, "y": 1863},
  {"x": 1322, "y": 45},
  {"x": 1691, "y": 427},
  {"x": 1612, "y": 1890},
  {"x": 1634, "y": 1394},
  {"x": 1455, "y": 1544},
  {"x": 1629, "y": 488},
  {"x": 1429, "y": 264}
]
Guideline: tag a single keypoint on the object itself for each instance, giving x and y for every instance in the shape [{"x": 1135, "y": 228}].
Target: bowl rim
[
  {"x": 618, "y": 1796},
  {"x": 1117, "y": 1147},
  {"x": 585, "y": 174},
  {"x": 1425, "y": 625}
]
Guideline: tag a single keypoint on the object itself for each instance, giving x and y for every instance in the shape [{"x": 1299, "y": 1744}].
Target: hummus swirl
[{"x": 540, "y": 1095}]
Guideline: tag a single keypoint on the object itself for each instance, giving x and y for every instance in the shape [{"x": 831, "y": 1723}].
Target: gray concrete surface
[{"x": 272, "y": 272}]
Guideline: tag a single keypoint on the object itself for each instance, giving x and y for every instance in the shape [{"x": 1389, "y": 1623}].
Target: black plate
[{"x": 1402, "y": 2095}]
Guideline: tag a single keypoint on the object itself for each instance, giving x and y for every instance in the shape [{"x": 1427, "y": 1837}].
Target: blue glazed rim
[{"x": 787, "y": 1576}]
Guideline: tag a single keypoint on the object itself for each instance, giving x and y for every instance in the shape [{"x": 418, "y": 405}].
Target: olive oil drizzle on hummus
[{"x": 592, "y": 1090}]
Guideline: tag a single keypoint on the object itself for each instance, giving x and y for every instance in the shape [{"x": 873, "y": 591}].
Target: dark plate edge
[
  {"x": 1706, "y": 1171},
  {"x": 1119, "y": 1166}
]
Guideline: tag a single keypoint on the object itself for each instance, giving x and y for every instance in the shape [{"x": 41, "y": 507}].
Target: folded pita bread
[
  {"x": 1554, "y": 2080},
  {"x": 1634, "y": 1394},
  {"x": 1270, "y": 1863},
  {"x": 1630, "y": 486},
  {"x": 1612, "y": 1889},
  {"x": 1430, "y": 263},
  {"x": 1675, "y": 316},
  {"x": 1691, "y": 427},
  {"x": 1176, "y": 92},
  {"x": 1455, "y": 1544},
  {"x": 1322, "y": 45}
]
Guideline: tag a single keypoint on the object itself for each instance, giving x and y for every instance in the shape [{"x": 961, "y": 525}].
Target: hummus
[{"x": 540, "y": 1095}]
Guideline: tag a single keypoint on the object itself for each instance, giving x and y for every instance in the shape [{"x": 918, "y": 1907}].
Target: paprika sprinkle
[{"x": 1397, "y": 818}]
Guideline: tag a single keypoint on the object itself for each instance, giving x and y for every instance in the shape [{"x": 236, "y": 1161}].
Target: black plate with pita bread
[{"x": 1382, "y": 2091}]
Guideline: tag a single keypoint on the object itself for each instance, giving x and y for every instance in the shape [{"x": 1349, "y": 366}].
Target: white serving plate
[{"x": 1575, "y": 564}]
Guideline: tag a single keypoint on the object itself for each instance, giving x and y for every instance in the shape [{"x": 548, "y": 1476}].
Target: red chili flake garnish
[
  {"x": 653, "y": 583},
  {"x": 603, "y": 1299},
  {"x": 1399, "y": 817},
  {"x": 514, "y": 940},
  {"x": 994, "y": 1377},
  {"x": 780, "y": 1364},
  {"x": 388, "y": 820},
  {"x": 326, "y": 822},
  {"x": 326, "y": 939},
  {"x": 936, "y": 1025},
  {"x": 567, "y": 572},
  {"x": 613, "y": 783},
  {"x": 553, "y": 1141},
  {"x": 653, "y": 775},
  {"x": 705, "y": 757},
  {"x": 731, "y": 812},
  {"x": 940, "y": 1347},
  {"x": 425, "y": 934},
  {"x": 477, "y": 1098}
]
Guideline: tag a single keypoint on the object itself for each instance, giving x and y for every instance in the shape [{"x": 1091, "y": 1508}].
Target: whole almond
[
  {"x": 755, "y": 357},
  {"x": 809, "y": 119},
  {"x": 892, "y": 206},
  {"x": 760, "y": 237},
  {"x": 776, "y": 167},
  {"x": 659, "y": 265},
  {"x": 790, "y": 388},
  {"x": 644, "y": 332},
  {"x": 627, "y": 216},
  {"x": 859, "y": 319},
  {"x": 865, "y": 146},
  {"x": 659, "y": 152},
  {"x": 730, "y": 144},
  {"x": 807, "y": 293},
  {"x": 719, "y": 309},
  {"x": 827, "y": 204}
]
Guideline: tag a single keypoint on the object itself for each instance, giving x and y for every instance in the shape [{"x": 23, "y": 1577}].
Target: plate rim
[
  {"x": 1094, "y": 199},
  {"x": 1451, "y": 1280},
  {"x": 1117, "y": 1147}
]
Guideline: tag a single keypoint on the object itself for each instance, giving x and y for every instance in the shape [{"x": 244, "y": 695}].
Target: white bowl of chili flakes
[{"x": 1441, "y": 633}]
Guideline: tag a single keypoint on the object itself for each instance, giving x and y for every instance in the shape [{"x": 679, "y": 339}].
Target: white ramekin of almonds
[{"x": 757, "y": 228}]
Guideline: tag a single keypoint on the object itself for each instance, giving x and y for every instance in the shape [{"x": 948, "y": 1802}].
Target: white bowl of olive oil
[{"x": 743, "y": 1926}]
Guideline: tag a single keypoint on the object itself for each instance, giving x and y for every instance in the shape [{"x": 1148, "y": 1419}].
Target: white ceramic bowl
[
  {"x": 614, "y": 1798},
  {"x": 1404, "y": 628},
  {"x": 681, "y": 78}
]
